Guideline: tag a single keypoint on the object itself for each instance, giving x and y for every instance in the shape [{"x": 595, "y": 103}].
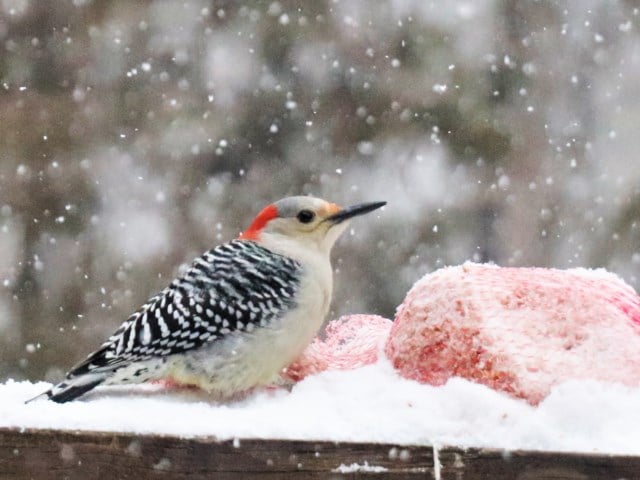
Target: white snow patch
[
  {"x": 357, "y": 467},
  {"x": 369, "y": 404},
  {"x": 439, "y": 88}
]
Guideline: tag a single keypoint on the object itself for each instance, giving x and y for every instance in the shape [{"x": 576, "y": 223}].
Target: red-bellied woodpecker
[{"x": 241, "y": 313}]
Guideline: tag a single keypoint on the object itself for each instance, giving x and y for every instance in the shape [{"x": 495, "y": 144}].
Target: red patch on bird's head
[{"x": 267, "y": 214}]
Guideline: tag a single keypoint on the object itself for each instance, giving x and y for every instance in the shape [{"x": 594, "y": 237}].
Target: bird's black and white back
[{"x": 231, "y": 290}]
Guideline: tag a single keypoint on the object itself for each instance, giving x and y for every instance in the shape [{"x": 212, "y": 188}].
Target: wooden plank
[
  {"x": 476, "y": 464},
  {"x": 43, "y": 454},
  {"x": 38, "y": 453}
]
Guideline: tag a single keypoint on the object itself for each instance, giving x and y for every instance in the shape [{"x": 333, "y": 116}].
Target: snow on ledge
[
  {"x": 359, "y": 468},
  {"x": 369, "y": 404}
]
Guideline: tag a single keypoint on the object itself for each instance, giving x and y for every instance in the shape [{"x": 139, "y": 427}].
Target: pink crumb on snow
[
  {"x": 518, "y": 330},
  {"x": 351, "y": 341}
]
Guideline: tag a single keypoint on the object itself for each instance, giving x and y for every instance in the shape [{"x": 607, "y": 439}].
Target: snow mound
[{"x": 368, "y": 404}]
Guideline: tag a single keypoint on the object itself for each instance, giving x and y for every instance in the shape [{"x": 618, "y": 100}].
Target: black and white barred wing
[{"x": 234, "y": 287}]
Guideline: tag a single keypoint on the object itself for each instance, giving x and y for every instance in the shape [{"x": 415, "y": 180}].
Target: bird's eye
[{"x": 305, "y": 216}]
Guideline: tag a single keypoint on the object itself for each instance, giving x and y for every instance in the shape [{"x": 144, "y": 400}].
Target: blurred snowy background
[{"x": 135, "y": 135}]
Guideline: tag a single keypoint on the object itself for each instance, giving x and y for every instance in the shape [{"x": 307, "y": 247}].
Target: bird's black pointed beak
[{"x": 354, "y": 211}]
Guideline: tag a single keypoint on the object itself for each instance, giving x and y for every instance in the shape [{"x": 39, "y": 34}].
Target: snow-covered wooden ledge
[
  {"x": 42, "y": 454},
  {"x": 529, "y": 373}
]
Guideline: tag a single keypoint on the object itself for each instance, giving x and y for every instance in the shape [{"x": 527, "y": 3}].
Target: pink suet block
[
  {"x": 517, "y": 330},
  {"x": 351, "y": 341}
]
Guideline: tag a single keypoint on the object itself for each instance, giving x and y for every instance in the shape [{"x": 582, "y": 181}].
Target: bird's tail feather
[{"x": 72, "y": 388}]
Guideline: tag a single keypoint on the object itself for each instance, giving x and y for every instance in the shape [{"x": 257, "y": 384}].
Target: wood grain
[{"x": 44, "y": 454}]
